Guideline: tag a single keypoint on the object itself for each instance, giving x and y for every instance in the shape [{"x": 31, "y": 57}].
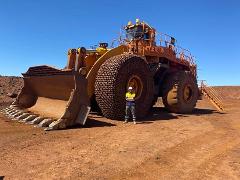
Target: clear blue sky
[{"x": 41, "y": 32}]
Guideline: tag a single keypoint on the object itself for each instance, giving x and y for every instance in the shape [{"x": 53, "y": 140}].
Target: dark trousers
[{"x": 130, "y": 110}]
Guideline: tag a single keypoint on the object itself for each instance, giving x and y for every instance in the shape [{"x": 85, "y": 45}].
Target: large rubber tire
[
  {"x": 111, "y": 84},
  {"x": 173, "y": 92}
]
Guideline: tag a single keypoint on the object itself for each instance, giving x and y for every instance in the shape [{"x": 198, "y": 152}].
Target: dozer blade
[{"x": 51, "y": 98}]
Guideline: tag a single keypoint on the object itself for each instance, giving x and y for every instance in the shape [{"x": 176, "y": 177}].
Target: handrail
[
  {"x": 212, "y": 95},
  {"x": 204, "y": 83},
  {"x": 181, "y": 53},
  {"x": 164, "y": 40},
  {"x": 209, "y": 90}
]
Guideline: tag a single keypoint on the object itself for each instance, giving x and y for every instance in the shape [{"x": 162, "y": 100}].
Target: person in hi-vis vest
[{"x": 130, "y": 105}]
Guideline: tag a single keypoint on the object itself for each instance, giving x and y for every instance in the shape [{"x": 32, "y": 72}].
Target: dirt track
[{"x": 205, "y": 145}]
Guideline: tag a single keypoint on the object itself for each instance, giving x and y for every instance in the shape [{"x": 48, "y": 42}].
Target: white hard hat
[{"x": 130, "y": 88}]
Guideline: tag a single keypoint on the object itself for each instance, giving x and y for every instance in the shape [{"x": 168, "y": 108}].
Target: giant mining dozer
[{"x": 152, "y": 63}]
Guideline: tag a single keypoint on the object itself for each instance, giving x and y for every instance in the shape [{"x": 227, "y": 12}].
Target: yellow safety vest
[{"x": 130, "y": 96}]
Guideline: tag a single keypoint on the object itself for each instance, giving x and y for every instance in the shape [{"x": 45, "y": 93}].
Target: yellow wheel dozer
[{"x": 98, "y": 78}]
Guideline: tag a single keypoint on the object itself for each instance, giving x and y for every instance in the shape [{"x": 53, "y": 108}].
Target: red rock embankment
[{"x": 9, "y": 85}]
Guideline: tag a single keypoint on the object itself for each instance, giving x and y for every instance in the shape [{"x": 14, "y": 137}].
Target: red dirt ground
[{"x": 203, "y": 145}]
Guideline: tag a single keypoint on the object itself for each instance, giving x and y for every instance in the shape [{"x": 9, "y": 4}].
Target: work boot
[
  {"x": 134, "y": 122},
  {"x": 126, "y": 121}
]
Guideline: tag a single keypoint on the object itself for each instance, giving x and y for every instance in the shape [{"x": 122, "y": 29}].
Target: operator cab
[
  {"x": 135, "y": 32},
  {"x": 138, "y": 31}
]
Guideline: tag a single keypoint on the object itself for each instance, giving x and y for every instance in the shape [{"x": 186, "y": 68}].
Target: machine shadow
[
  {"x": 92, "y": 123},
  {"x": 160, "y": 114},
  {"x": 200, "y": 112},
  {"x": 156, "y": 114}
]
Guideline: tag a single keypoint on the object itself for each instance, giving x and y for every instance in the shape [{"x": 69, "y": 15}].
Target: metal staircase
[{"x": 212, "y": 95}]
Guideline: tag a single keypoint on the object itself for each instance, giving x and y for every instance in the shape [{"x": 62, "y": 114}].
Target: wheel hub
[{"x": 137, "y": 84}]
